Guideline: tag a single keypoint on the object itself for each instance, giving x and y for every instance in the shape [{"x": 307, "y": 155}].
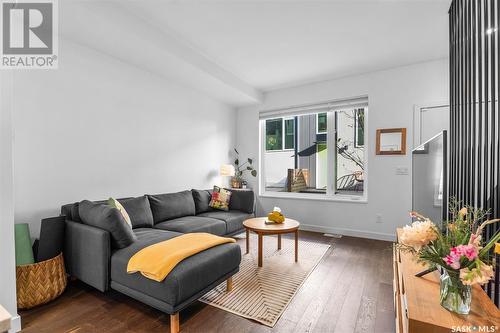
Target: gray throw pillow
[
  {"x": 107, "y": 218},
  {"x": 171, "y": 205},
  {"x": 139, "y": 211},
  {"x": 242, "y": 200},
  {"x": 202, "y": 200}
]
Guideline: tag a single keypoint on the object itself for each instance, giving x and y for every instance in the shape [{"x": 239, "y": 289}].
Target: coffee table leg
[
  {"x": 260, "y": 250},
  {"x": 248, "y": 240},
  {"x": 279, "y": 241},
  {"x": 296, "y": 245}
]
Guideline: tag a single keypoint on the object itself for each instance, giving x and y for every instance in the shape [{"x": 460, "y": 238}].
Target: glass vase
[{"x": 454, "y": 295}]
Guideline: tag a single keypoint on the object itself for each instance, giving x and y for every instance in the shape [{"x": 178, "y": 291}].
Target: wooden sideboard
[{"x": 416, "y": 302}]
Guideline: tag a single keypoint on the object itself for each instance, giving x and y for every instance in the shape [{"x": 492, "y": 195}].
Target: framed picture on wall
[{"x": 391, "y": 141}]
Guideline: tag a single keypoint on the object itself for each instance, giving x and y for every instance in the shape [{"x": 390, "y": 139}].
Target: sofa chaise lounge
[{"x": 91, "y": 256}]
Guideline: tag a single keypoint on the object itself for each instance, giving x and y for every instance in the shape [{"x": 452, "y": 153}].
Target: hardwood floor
[{"x": 349, "y": 291}]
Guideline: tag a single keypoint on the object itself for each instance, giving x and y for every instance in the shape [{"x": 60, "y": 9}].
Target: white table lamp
[{"x": 227, "y": 170}]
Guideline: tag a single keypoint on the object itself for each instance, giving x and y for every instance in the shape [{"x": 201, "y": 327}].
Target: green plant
[{"x": 241, "y": 168}]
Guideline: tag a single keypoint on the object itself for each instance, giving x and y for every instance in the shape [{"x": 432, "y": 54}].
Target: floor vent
[{"x": 333, "y": 235}]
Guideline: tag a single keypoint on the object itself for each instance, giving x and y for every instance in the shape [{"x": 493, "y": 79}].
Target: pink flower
[
  {"x": 470, "y": 251},
  {"x": 453, "y": 259},
  {"x": 475, "y": 240}
]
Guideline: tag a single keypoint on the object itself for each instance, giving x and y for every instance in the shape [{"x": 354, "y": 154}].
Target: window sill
[
  {"x": 280, "y": 150},
  {"x": 316, "y": 197}
]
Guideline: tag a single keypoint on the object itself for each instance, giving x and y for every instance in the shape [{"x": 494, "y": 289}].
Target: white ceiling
[
  {"x": 271, "y": 44},
  {"x": 257, "y": 46}
]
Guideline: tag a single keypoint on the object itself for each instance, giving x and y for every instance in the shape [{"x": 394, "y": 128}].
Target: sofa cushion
[
  {"x": 233, "y": 218},
  {"x": 109, "y": 219},
  {"x": 194, "y": 224},
  {"x": 202, "y": 200},
  {"x": 71, "y": 211},
  {"x": 189, "y": 277},
  {"x": 112, "y": 202},
  {"x": 171, "y": 205},
  {"x": 220, "y": 198},
  {"x": 139, "y": 211},
  {"x": 242, "y": 200}
]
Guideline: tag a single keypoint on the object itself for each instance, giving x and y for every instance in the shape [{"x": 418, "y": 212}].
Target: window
[
  {"x": 350, "y": 155},
  {"x": 359, "y": 131},
  {"x": 289, "y": 133},
  {"x": 274, "y": 134},
  {"x": 276, "y": 137},
  {"x": 322, "y": 119},
  {"x": 315, "y": 154}
]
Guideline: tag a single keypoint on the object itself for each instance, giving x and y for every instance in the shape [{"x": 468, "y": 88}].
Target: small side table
[
  {"x": 258, "y": 226},
  {"x": 4, "y": 320}
]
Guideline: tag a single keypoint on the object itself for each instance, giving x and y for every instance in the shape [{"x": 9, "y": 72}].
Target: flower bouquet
[{"x": 456, "y": 249}]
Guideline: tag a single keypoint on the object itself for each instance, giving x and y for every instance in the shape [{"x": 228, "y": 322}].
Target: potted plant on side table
[{"x": 240, "y": 169}]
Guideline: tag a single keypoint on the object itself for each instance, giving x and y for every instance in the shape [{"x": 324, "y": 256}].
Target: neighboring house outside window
[
  {"x": 289, "y": 133},
  {"x": 280, "y": 134},
  {"x": 322, "y": 123},
  {"x": 315, "y": 153},
  {"x": 274, "y": 134}
]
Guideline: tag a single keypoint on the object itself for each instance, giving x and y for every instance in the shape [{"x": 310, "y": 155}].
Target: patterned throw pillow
[
  {"x": 115, "y": 204},
  {"x": 220, "y": 198}
]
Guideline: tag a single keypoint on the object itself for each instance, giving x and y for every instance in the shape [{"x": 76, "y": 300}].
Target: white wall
[
  {"x": 98, "y": 127},
  {"x": 7, "y": 251},
  {"x": 392, "y": 96}
]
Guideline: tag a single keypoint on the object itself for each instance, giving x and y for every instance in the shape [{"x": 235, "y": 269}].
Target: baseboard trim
[
  {"x": 15, "y": 324},
  {"x": 349, "y": 232}
]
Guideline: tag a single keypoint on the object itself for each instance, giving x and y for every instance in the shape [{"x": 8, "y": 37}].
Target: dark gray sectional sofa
[{"x": 92, "y": 257}]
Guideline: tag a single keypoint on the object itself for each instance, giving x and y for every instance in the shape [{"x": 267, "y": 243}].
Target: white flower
[
  {"x": 419, "y": 234},
  {"x": 477, "y": 275}
]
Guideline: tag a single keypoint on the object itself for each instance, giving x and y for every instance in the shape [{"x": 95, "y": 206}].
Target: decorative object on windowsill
[
  {"x": 456, "y": 250},
  {"x": 275, "y": 217},
  {"x": 240, "y": 169},
  {"x": 391, "y": 141}
]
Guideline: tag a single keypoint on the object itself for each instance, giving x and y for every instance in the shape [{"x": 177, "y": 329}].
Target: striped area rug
[{"x": 263, "y": 293}]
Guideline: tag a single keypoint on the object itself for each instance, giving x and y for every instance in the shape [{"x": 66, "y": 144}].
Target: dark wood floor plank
[
  {"x": 349, "y": 291},
  {"x": 336, "y": 262},
  {"x": 346, "y": 298},
  {"x": 368, "y": 302}
]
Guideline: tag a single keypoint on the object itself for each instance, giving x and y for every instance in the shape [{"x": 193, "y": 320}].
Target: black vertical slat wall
[{"x": 474, "y": 114}]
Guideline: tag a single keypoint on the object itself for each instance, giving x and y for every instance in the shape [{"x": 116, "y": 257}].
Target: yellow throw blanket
[{"x": 156, "y": 261}]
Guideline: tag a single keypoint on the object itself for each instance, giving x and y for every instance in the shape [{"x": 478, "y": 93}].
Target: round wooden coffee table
[{"x": 258, "y": 226}]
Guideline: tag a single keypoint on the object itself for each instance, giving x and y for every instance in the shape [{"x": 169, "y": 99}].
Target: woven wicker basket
[{"x": 41, "y": 282}]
